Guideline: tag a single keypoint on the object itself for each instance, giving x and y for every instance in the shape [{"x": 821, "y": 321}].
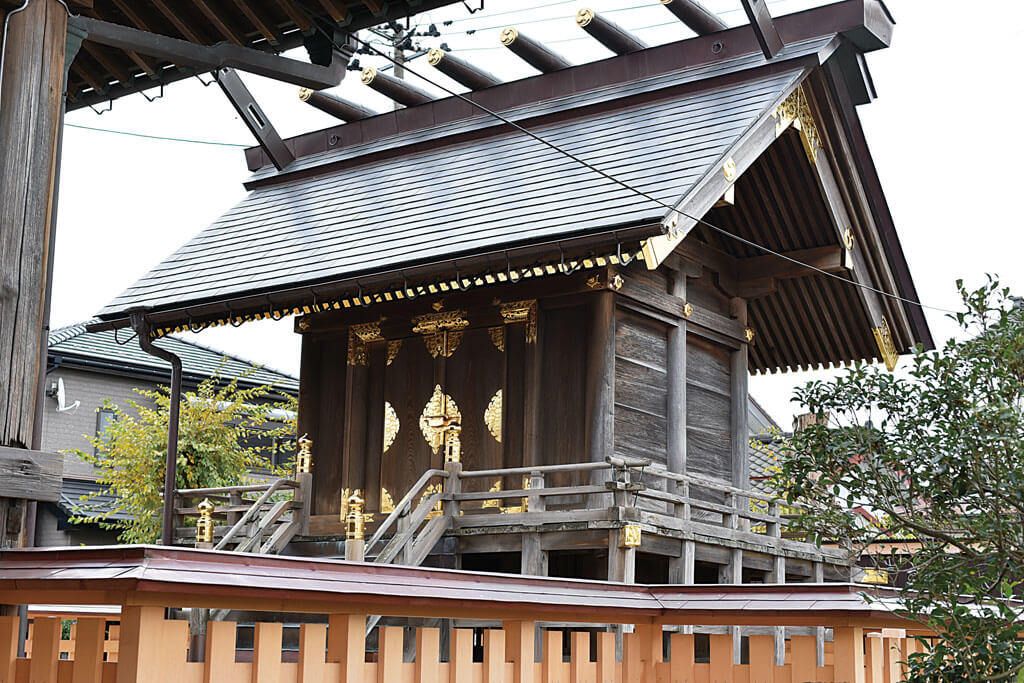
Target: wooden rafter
[
  {"x": 129, "y": 12},
  {"x": 295, "y": 14},
  {"x": 183, "y": 28},
  {"x": 86, "y": 74},
  {"x": 374, "y": 6},
  {"x": 254, "y": 14},
  {"x": 104, "y": 60},
  {"x": 222, "y": 26},
  {"x": 335, "y": 9},
  {"x": 764, "y": 26}
]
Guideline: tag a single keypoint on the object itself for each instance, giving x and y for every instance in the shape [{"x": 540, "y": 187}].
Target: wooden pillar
[
  {"x": 354, "y": 451},
  {"x": 378, "y": 354},
  {"x": 346, "y": 644},
  {"x": 520, "y": 638},
  {"x": 31, "y": 108},
  {"x": 600, "y": 398},
  {"x": 738, "y": 390},
  {"x": 848, "y": 654},
  {"x": 533, "y": 558},
  {"x": 818, "y": 576},
  {"x": 676, "y": 366},
  {"x": 142, "y": 642}
]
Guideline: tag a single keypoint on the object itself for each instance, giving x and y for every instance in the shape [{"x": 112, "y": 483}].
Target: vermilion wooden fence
[{"x": 866, "y": 643}]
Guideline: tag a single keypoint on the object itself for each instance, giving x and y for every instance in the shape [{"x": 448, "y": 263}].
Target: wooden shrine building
[{"x": 530, "y": 361}]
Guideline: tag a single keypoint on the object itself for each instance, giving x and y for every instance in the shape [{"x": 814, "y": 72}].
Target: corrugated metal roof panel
[{"x": 458, "y": 199}]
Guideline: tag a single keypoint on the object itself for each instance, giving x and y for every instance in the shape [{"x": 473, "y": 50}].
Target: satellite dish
[{"x": 62, "y": 406}]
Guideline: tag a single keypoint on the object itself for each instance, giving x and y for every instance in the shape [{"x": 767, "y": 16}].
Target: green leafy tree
[
  {"x": 218, "y": 427},
  {"x": 938, "y": 456}
]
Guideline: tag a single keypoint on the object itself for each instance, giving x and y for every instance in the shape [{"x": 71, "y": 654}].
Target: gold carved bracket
[
  {"x": 795, "y": 111},
  {"x": 886, "y": 345},
  {"x": 521, "y": 312},
  {"x": 358, "y": 337}
]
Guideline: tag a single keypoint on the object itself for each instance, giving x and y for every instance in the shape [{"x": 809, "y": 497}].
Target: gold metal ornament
[
  {"x": 435, "y": 56},
  {"x": 497, "y": 335},
  {"x": 391, "y": 425},
  {"x": 442, "y": 331},
  {"x": 493, "y": 502},
  {"x": 631, "y": 536},
  {"x": 748, "y": 334},
  {"x": 427, "y": 492},
  {"x": 393, "y": 348},
  {"x": 584, "y": 16},
  {"x": 878, "y": 577},
  {"x": 439, "y": 416},
  {"x": 594, "y": 282},
  {"x": 508, "y": 35},
  {"x": 204, "y": 526},
  {"x": 303, "y": 324},
  {"x": 729, "y": 169},
  {"x": 387, "y": 504},
  {"x": 304, "y": 458},
  {"x": 368, "y": 74},
  {"x": 354, "y": 521},
  {"x": 886, "y": 345},
  {"x": 358, "y": 337},
  {"x": 305, "y": 94},
  {"x": 848, "y": 239},
  {"x": 795, "y": 111},
  {"x": 521, "y": 312},
  {"x": 687, "y": 310},
  {"x": 615, "y": 284},
  {"x": 492, "y": 416}
]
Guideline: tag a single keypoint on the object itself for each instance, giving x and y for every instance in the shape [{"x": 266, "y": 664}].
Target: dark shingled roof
[
  {"x": 104, "y": 350},
  {"x": 451, "y": 198},
  {"x": 71, "y": 503}
]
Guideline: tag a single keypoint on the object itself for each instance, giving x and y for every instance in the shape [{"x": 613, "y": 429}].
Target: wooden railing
[{"x": 866, "y": 641}]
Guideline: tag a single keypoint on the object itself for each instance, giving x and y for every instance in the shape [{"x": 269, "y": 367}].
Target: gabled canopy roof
[{"x": 438, "y": 189}]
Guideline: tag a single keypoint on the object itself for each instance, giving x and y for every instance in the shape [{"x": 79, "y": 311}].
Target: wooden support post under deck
[
  {"x": 778, "y": 575},
  {"x": 818, "y": 576},
  {"x": 600, "y": 398},
  {"x": 533, "y": 558},
  {"x": 30, "y": 120}
]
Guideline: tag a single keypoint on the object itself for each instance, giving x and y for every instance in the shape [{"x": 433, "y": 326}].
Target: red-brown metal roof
[{"x": 186, "y": 577}]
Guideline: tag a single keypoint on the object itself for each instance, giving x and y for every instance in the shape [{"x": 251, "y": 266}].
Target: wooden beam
[
  {"x": 764, "y": 27},
  {"x": 31, "y": 475},
  {"x": 129, "y": 12},
  {"x": 89, "y": 76},
  {"x": 831, "y": 259},
  {"x": 696, "y": 16},
  {"x": 219, "y": 23},
  {"x": 106, "y": 62}
]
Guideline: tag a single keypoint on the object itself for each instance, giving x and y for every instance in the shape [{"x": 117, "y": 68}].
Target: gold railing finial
[
  {"x": 304, "y": 458},
  {"x": 204, "y": 527},
  {"x": 355, "y": 521}
]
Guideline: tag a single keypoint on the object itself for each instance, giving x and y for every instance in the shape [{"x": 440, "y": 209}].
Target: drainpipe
[{"x": 142, "y": 329}]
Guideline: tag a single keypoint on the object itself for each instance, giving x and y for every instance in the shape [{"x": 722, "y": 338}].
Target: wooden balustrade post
[
  {"x": 10, "y": 628},
  {"x": 312, "y": 645},
  {"x": 520, "y": 649},
  {"x": 428, "y": 642},
  {"x": 45, "y": 649},
  {"x": 304, "y": 495},
  {"x": 402, "y": 526},
  {"x": 460, "y": 656},
  {"x": 818, "y": 576},
  {"x": 90, "y": 633},
  {"x": 452, "y": 487},
  {"x": 733, "y": 571},
  {"x": 778, "y": 576},
  {"x": 494, "y": 656},
  {"x": 346, "y": 644},
  {"x": 579, "y": 657},
  {"x": 142, "y": 641},
  {"x": 606, "y": 657},
  {"x": 220, "y": 651},
  {"x": 390, "y": 641},
  {"x": 234, "y": 500},
  {"x": 533, "y": 558},
  {"x": 551, "y": 667},
  {"x": 848, "y": 654}
]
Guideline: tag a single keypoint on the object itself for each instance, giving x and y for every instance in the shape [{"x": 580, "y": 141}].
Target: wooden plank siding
[
  {"x": 708, "y": 408},
  {"x": 641, "y": 388}
]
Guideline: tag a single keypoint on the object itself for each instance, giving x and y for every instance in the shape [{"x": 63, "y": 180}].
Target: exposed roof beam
[
  {"x": 696, "y": 16},
  {"x": 458, "y": 69},
  {"x": 397, "y": 89},
  {"x": 608, "y": 33},
  {"x": 183, "y": 28},
  {"x": 258, "y": 123},
  {"x": 215, "y": 57},
  {"x": 764, "y": 26},
  {"x": 106, "y": 62},
  {"x": 298, "y": 17},
  {"x": 539, "y": 56},
  {"x": 336, "y": 10},
  {"x": 335, "y": 106}
]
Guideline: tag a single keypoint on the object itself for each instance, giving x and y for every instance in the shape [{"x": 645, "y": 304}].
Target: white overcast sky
[{"x": 945, "y": 134}]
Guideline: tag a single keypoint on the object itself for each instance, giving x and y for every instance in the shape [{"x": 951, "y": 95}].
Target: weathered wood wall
[{"x": 641, "y": 387}]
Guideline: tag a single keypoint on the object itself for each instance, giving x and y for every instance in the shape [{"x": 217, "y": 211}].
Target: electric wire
[
  {"x": 157, "y": 137},
  {"x": 635, "y": 190}
]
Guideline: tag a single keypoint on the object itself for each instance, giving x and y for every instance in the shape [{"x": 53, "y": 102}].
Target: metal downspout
[{"x": 142, "y": 329}]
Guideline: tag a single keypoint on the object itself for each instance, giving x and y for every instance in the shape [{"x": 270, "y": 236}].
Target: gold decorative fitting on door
[
  {"x": 441, "y": 420},
  {"x": 391, "y": 425},
  {"x": 492, "y": 416},
  {"x": 442, "y": 332},
  {"x": 795, "y": 111},
  {"x": 522, "y": 312}
]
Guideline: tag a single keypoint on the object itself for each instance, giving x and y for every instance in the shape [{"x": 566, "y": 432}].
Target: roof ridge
[{"x": 69, "y": 331}]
